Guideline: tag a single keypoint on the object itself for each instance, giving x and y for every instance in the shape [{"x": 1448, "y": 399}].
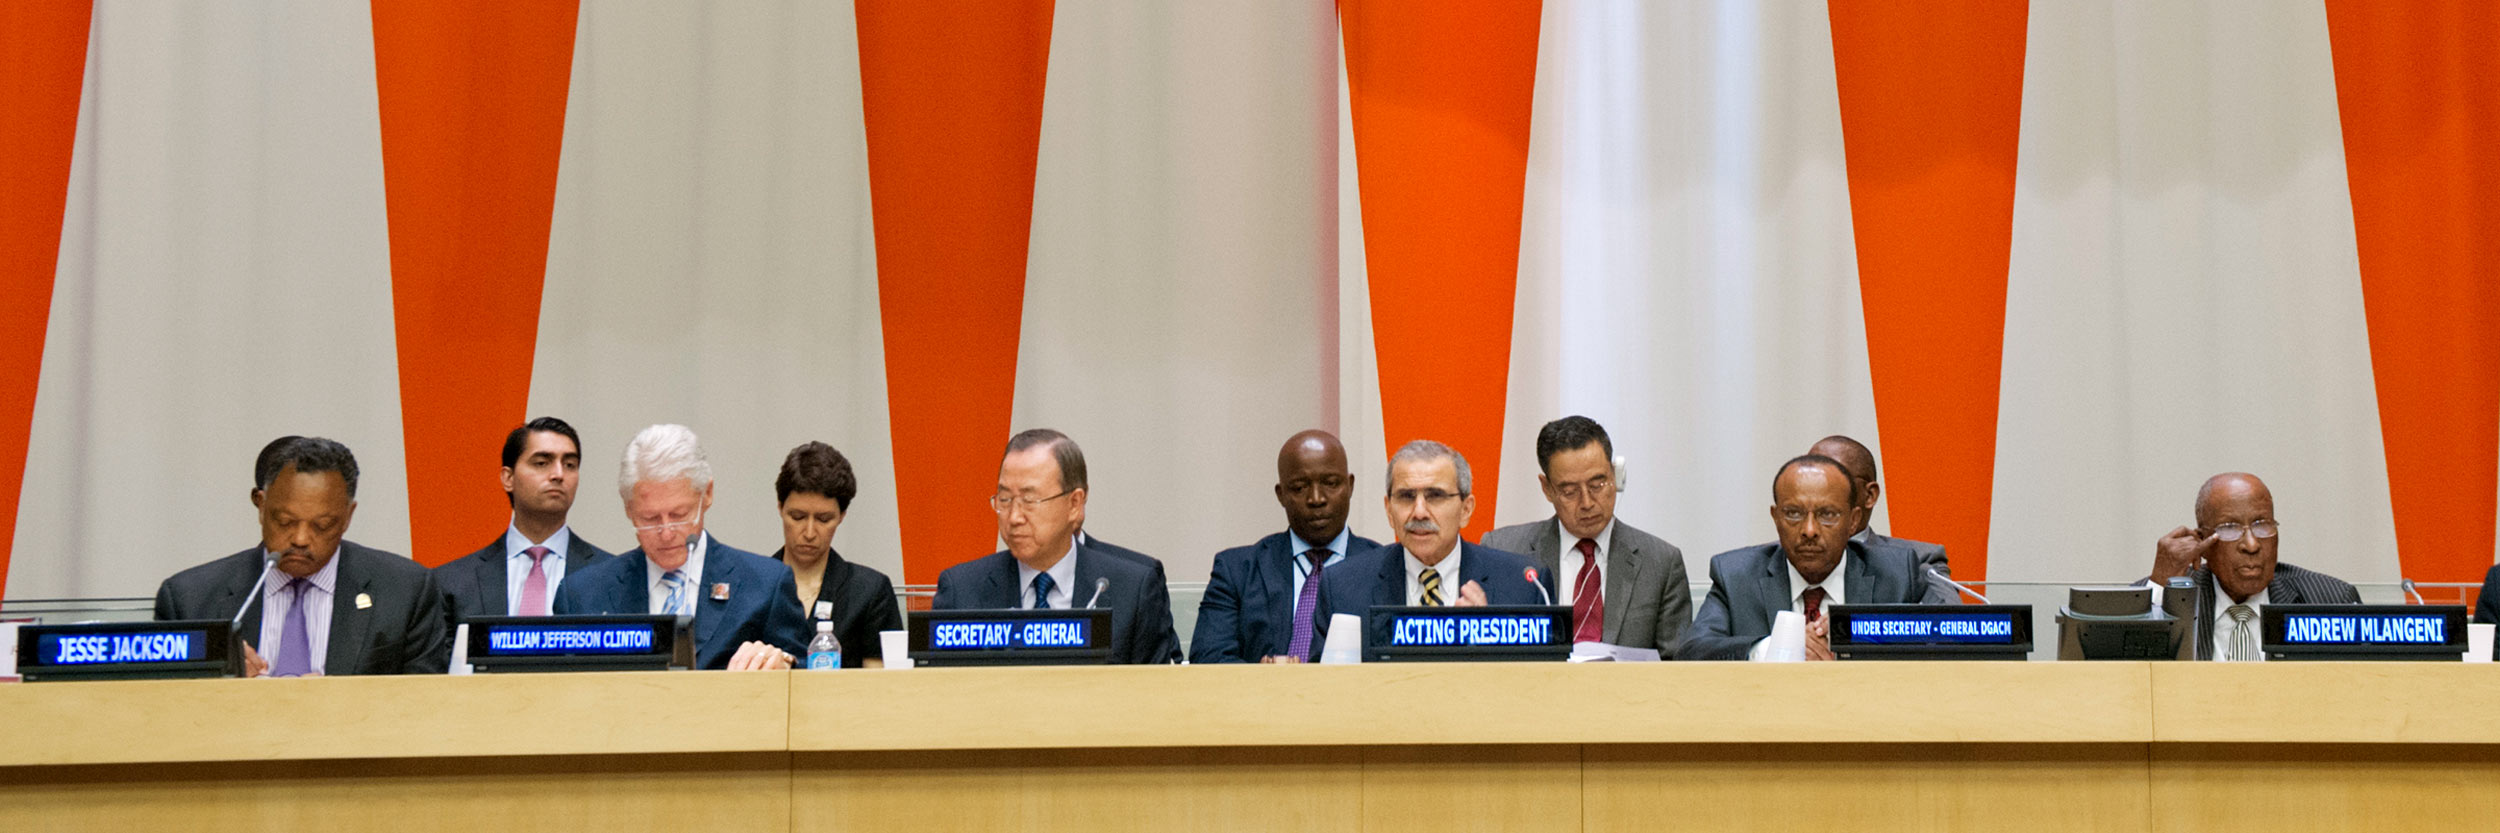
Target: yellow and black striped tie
[{"x": 1431, "y": 580}]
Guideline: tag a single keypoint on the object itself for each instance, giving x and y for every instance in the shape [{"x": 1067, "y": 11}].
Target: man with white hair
[
  {"x": 745, "y": 606},
  {"x": 1431, "y": 496}
]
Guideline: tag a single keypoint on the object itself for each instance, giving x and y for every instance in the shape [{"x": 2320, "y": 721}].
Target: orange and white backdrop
[{"x": 2057, "y": 262}]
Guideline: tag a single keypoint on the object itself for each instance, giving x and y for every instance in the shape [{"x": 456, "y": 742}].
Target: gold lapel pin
[{"x": 364, "y": 600}]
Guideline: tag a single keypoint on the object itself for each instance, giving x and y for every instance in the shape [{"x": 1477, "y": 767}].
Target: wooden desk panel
[{"x": 2326, "y": 702}]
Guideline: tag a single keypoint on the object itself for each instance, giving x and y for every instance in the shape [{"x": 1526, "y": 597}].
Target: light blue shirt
[
  {"x": 1302, "y": 566},
  {"x": 517, "y": 564},
  {"x": 692, "y": 571},
  {"x": 1062, "y": 581}
]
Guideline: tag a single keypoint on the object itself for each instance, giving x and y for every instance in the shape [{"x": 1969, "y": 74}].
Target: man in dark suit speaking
[
  {"x": 1431, "y": 496},
  {"x": 332, "y": 606},
  {"x": 1261, "y": 599},
  {"x": 2231, "y": 556},
  {"x": 519, "y": 572},
  {"x": 1040, "y": 503},
  {"x": 745, "y": 606},
  {"x": 1813, "y": 564}
]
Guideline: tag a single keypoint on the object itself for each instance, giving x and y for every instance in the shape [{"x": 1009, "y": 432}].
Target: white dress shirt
[
  {"x": 1835, "y": 591},
  {"x": 1569, "y": 581},
  {"x": 1449, "y": 576},
  {"x": 1302, "y": 566},
  {"x": 1062, "y": 581},
  {"x": 517, "y": 564},
  {"x": 319, "y": 600},
  {"x": 2225, "y": 628},
  {"x": 692, "y": 570}
]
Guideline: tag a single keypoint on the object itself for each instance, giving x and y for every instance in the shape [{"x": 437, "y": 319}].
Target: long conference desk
[{"x": 1689, "y": 746}]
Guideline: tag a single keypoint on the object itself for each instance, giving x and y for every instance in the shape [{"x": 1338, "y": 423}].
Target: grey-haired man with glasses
[
  {"x": 2230, "y": 556},
  {"x": 1040, "y": 504},
  {"x": 1431, "y": 497}
]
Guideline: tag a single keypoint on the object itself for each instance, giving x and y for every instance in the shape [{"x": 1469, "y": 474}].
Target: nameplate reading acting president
[{"x": 1508, "y": 632}]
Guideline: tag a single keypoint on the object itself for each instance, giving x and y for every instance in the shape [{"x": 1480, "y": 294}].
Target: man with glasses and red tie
[
  {"x": 1261, "y": 599},
  {"x": 1431, "y": 496},
  {"x": 517, "y": 574},
  {"x": 1625, "y": 587},
  {"x": 330, "y": 606},
  {"x": 2230, "y": 556},
  {"x": 1813, "y": 565},
  {"x": 1040, "y": 504},
  {"x": 745, "y": 606}
]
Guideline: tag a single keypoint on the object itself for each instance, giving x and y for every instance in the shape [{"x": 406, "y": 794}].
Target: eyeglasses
[
  {"x": 1403, "y": 498},
  {"x": 1597, "y": 487},
  {"x": 688, "y": 523},
  {"x": 2261, "y": 529},
  {"x": 1826, "y": 516},
  {"x": 1003, "y": 501}
]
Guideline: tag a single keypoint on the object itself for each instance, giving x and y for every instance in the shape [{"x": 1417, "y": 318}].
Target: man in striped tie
[
  {"x": 1261, "y": 599},
  {"x": 1431, "y": 496},
  {"x": 2231, "y": 557}
]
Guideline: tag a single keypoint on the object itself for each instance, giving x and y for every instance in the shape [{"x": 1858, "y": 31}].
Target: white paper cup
[
  {"x": 1788, "y": 638},
  {"x": 896, "y": 648},
  {"x": 2478, "y": 642},
  {"x": 1345, "y": 640}
]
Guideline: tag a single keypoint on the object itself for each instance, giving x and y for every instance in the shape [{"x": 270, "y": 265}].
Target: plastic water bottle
[{"x": 824, "y": 653}]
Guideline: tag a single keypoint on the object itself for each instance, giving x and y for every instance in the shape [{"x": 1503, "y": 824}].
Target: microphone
[
  {"x": 1100, "y": 585},
  {"x": 267, "y": 560},
  {"x": 1540, "y": 587},
  {"x": 2407, "y": 584},
  {"x": 1940, "y": 576}
]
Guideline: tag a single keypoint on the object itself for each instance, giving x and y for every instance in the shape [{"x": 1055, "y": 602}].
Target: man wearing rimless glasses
[
  {"x": 2230, "y": 555},
  {"x": 745, "y": 606}
]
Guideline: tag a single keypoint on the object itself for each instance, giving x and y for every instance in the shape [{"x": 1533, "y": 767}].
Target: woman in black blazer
[{"x": 815, "y": 488}]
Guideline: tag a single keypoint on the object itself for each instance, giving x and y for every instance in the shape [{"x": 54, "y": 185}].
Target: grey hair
[
  {"x": 1063, "y": 451},
  {"x": 661, "y": 453},
  {"x": 1425, "y": 451}
]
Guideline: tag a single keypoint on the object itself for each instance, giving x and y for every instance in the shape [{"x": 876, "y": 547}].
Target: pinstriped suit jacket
[{"x": 2291, "y": 585}]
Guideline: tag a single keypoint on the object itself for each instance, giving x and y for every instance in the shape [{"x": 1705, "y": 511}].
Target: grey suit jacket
[
  {"x": 402, "y": 631},
  {"x": 1749, "y": 586},
  {"x": 2291, "y": 585},
  {"x": 1649, "y": 601}
]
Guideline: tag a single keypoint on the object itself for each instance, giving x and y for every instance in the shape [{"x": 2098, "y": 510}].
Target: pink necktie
[{"x": 534, "y": 588}]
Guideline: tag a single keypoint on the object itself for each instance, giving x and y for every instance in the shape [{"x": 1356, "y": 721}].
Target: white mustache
[{"x": 1422, "y": 526}]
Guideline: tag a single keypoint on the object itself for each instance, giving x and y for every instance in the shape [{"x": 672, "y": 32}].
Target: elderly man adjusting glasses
[
  {"x": 745, "y": 606},
  {"x": 2230, "y": 556},
  {"x": 1431, "y": 496}
]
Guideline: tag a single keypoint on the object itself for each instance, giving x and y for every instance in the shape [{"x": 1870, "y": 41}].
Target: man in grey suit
[
  {"x": 2231, "y": 556},
  {"x": 1861, "y": 463},
  {"x": 1624, "y": 586},
  {"x": 1814, "y": 506},
  {"x": 330, "y": 606}
]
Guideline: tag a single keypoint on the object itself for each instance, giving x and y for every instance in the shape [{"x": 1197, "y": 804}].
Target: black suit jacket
[
  {"x": 402, "y": 632},
  {"x": 1378, "y": 578},
  {"x": 862, "y": 602},
  {"x": 1141, "y": 606},
  {"x": 477, "y": 584},
  {"x": 763, "y": 602},
  {"x": 2291, "y": 585},
  {"x": 1247, "y": 613},
  {"x": 1749, "y": 586}
]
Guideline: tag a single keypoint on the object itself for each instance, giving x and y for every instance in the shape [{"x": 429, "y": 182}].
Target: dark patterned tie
[
  {"x": 1431, "y": 580},
  {"x": 1814, "y": 602},
  {"x": 1306, "y": 605},
  {"x": 1588, "y": 598},
  {"x": 1041, "y": 591}
]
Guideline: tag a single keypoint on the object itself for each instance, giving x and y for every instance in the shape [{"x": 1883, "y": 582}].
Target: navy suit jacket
[
  {"x": 1749, "y": 586},
  {"x": 403, "y": 631},
  {"x": 477, "y": 584},
  {"x": 1378, "y": 577},
  {"x": 763, "y": 603},
  {"x": 1247, "y": 614},
  {"x": 1141, "y": 606}
]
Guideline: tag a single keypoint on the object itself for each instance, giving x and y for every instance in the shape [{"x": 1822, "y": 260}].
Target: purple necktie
[
  {"x": 294, "y": 646},
  {"x": 534, "y": 588},
  {"x": 1305, "y": 607}
]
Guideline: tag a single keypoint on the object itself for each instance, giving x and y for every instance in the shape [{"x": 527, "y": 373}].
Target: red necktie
[
  {"x": 1588, "y": 598},
  {"x": 1813, "y": 598}
]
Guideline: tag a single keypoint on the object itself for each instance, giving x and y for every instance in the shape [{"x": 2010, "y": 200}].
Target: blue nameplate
[
  {"x": 2363, "y": 631},
  {"x": 125, "y": 650},
  {"x": 1505, "y": 632},
  {"x": 1010, "y": 637},
  {"x": 1912, "y": 631},
  {"x": 572, "y": 643}
]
